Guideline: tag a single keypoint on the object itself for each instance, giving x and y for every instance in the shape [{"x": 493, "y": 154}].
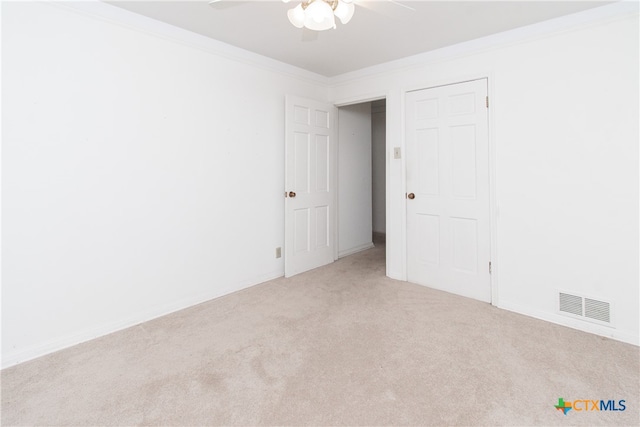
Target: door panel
[
  {"x": 309, "y": 200},
  {"x": 448, "y": 220}
]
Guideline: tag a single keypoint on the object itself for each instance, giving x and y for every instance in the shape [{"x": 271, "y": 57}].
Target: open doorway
[{"x": 361, "y": 177}]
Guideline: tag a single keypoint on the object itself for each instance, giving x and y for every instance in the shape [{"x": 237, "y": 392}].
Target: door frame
[
  {"x": 353, "y": 101},
  {"x": 493, "y": 204}
]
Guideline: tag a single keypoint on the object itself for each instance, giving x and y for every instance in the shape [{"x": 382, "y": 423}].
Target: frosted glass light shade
[
  {"x": 296, "y": 16},
  {"x": 319, "y": 16},
  {"x": 344, "y": 11}
]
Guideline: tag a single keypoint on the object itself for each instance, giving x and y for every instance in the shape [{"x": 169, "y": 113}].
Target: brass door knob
[
  {"x": 411, "y": 196},
  {"x": 292, "y": 194}
]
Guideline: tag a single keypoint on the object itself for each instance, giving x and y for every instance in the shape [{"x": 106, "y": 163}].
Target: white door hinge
[{"x": 489, "y": 267}]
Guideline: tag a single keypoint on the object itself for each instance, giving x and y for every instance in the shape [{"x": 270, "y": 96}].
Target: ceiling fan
[{"x": 319, "y": 15}]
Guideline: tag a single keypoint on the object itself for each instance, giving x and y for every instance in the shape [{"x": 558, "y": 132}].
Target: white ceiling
[{"x": 380, "y": 30}]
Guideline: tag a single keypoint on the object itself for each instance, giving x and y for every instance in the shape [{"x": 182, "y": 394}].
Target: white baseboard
[
  {"x": 351, "y": 251},
  {"x": 57, "y": 344},
  {"x": 569, "y": 322}
]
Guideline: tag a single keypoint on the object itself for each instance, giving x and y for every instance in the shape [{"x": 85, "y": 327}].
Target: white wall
[
  {"x": 126, "y": 191},
  {"x": 124, "y": 186},
  {"x": 378, "y": 165},
  {"x": 564, "y": 131},
  {"x": 354, "y": 179}
]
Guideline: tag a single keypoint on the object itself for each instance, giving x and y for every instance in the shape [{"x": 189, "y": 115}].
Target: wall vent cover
[
  {"x": 584, "y": 308},
  {"x": 597, "y": 310}
]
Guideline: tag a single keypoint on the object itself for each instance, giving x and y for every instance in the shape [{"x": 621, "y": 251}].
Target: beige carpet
[{"x": 339, "y": 345}]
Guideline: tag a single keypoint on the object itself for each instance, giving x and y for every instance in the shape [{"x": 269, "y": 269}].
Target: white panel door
[
  {"x": 448, "y": 213},
  {"x": 309, "y": 188}
]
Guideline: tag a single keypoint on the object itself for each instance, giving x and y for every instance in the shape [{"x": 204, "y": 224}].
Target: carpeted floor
[{"x": 340, "y": 345}]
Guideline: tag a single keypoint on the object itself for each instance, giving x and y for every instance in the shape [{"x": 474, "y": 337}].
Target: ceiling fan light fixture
[
  {"x": 344, "y": 11},
  {"x": 319, "y": 16},
  {"x": 296, "y": 16}
]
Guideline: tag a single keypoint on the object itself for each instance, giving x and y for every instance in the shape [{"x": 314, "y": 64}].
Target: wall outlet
[{"x": 278, "y": 252}]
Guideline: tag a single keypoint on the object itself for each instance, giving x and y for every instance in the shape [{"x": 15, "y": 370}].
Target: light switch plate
[{"x": 396, "y": 153}]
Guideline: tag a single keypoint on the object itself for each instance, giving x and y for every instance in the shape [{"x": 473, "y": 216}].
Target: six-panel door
[
  {"x": 448, "y": 218},
  {"x": 309, "y": 205}
]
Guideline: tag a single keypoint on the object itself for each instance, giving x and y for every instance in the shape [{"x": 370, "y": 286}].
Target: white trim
[
  {"x": 388, "y": 142},
  {"x": 360, "y": 99},
  {"x": 581, "y": 325},
  {"x": 96, "y": 9},
  {"x": 403, "y": 182},
  {"x": 355, "y": 250},
  {"x": 61, "y": 343},
  {"x": 333, "y": 182},
  {"x": 493, "y": 191}
]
